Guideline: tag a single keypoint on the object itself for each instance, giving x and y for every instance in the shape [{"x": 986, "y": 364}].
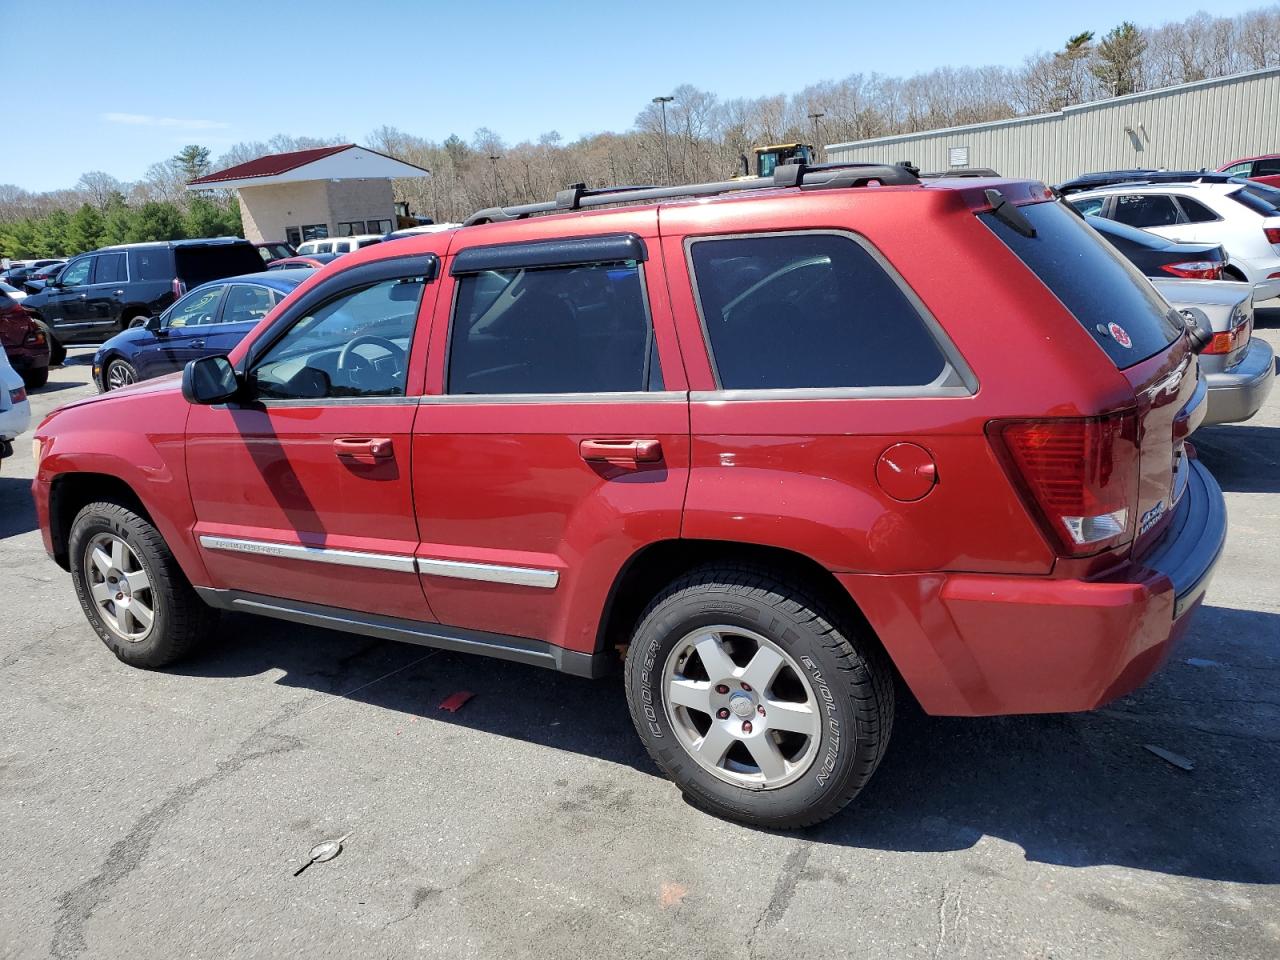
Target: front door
[
  {"x": 302, "y": 489},
  {"x": 557, "y": 444},
  {"x": 66, "y": 308}
]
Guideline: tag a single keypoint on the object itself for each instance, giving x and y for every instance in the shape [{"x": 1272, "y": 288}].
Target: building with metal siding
[{"x": 1192, "y": 125}]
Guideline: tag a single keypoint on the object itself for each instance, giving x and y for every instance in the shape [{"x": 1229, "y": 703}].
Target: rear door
[
  {"x": 556, "y": 443},
  {"x": 104, "y": 297},
  {"x": 244, "y": 306}
]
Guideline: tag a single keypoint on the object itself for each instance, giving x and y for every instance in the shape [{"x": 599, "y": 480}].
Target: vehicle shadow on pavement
[
  {"x": 17, "y": 509},
  {"x": 1242, "y": 458},
  {"x": 1074, "y": 790}
]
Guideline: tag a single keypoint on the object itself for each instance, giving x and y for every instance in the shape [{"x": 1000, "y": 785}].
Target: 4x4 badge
[{"x": 1119, "y": 335}]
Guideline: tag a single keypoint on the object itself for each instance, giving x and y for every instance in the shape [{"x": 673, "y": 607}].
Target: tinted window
[
  {"x": 1093, "y": 281},
  {"x": 197, "y": 309},
  {"x": 356, "y": 345},
  {"x": 200, "y": 263},
  {"x": 1120, "y": 234},
  {"x": 579, "y": 329},
  {"x": 1258, "y": 198},
  {"x": 1091, "y": 207},
  {"x": 1239, "y": 169},
  {"x": 76, "y": 272},
  {"x": 1267, "y": 168},
  {"x": 808, "y": 310},
  {"x": 110, "y": 269},
  {"x": 151, "y": 263},
  {"x": 1196, "y": 212},
  {"x": 246, "y": 303},
  {"x": 1145, "y": 210}
]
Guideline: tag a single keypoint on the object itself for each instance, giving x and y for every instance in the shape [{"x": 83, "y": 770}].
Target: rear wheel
[
  {"x": 36, "y": 377},
  {"x": 759, "y": 700},
  {"x": 132, "y": 590},
  {"x": 118, "y": 373},
  {"x": 57, "y": 352}
]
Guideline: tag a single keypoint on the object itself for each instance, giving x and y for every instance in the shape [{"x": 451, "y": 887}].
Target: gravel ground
[{"x": 164, "y": 814}]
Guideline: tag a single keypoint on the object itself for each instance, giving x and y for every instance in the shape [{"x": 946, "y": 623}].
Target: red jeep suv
[{"x": 788, "y": 442}]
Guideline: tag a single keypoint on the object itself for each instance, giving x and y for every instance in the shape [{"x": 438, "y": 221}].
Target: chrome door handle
[
  {"x": 620, "y": 451},
  {"x": 197, "y": 344}
]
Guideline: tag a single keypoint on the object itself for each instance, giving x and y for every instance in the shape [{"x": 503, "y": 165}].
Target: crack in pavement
[{"x": 784, "y": 891}]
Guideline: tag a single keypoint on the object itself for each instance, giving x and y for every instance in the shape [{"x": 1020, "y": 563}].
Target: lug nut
[
  {"x": 722, "y": 713},
  {"x": 760, "y": 709},
  {"x": 746, "y": 726},
  {"x": 746, "y": 687},
  {"x": 722, "y": 689}
]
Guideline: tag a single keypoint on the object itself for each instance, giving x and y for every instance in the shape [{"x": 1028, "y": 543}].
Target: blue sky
[{"x": 126, "y": 83}]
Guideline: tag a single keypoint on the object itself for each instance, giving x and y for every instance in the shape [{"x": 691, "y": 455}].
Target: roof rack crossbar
[{"x": 827, "y": 175}]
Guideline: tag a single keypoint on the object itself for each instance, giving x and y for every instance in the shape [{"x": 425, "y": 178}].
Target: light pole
[
  {"x": 815, "y": 117},
  {"x": 493, "y": 162},
  {"x": 662, "y": 102}
]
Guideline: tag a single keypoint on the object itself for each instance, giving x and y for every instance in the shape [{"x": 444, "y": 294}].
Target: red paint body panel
[{"x": 1270, "y": 179}]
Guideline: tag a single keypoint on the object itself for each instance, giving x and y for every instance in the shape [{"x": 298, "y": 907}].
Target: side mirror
[
  {"x": 209, "y": 380},
  {"x": 151, "y": 323},
  {"x": 140, "y": 322}
]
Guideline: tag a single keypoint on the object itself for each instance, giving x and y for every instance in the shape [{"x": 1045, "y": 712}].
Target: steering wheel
[{"x": 347, "y": 359}]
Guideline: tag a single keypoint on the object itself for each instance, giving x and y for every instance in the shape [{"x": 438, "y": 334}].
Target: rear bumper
[
  {"x": 23, "y": 359},
  {"x": 1237, "y": 394},
  {"x": 978, "y": 645}
]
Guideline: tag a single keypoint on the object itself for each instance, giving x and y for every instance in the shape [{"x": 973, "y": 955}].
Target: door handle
[
  {"x": 620, "y": 451},
  {"x": 197, "y": 344},
  {"x": 364, "y": 449}
]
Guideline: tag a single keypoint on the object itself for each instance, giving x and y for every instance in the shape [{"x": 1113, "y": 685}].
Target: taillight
[
  {"x": 1195, "y": 269},
  {"x": 179, "y": 288},
  {"x": 1079, "y": 476},
  {"x": 1273, "y": 234},
  {"x": 17, "y": 396},
  {"x": 34, "y": 337},
  {"x": 1234, "y": 338}
]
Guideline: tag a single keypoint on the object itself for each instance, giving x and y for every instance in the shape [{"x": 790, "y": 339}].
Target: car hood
[{"x": 170, "y": 383}]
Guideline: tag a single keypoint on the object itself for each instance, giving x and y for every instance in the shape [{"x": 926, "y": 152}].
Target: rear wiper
[{"x": 1008, "y": 214}]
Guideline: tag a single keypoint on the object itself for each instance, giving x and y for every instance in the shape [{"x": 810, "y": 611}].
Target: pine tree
[
  {"x": 192, "y": 160},
  {"x": 86, "y": 231},
  {"x": 1119, "y": 59}
]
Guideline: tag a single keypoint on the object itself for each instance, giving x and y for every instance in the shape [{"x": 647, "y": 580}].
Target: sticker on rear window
[{"x": 1119, "y": 335}]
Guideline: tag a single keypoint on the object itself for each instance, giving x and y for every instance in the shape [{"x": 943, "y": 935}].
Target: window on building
[
  {"x": 378, "y": 226},
  {"x": 808, "y": 310},
  {"x": 293, "y": 236},
  {"x": 957, "y": 157},
  {"x": 570, "y": 329},
  {"x": 351, "y": 228},
  {"x": 315, "y": 231}
]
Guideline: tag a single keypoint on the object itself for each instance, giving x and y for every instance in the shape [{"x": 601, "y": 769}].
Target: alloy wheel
[
  {"x": 741, "y": 707},
  {"x": 119, "y": 375},
  {"x": 120, "y": 586}
]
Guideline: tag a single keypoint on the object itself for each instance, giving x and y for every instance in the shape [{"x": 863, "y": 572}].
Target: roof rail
[{"x": 819, "y": 176}]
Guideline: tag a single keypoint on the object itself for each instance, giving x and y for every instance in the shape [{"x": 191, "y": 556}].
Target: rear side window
[
  {"x": 151, "y": 263},
  {"x": 1099, "y": 286},
  {"x": 571, "y": 329},
  {"x": 1196, "y": 211},
  {"x": 110, "y": 268},
  {"x": 1267, "y": 168},
  {"x": 1145, "y": 210},
  {"x": 808, "y": 310},
  {"x": 247, "y": 303},
  {"x": 1264, "y": 201}
]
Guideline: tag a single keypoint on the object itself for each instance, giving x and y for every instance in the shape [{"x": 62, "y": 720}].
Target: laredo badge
[{"x": 1150, "y": 517}]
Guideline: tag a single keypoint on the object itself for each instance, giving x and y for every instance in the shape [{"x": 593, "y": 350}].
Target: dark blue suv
[{"x": 212, "y": 318}]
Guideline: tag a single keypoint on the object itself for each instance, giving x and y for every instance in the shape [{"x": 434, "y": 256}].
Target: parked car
[
  {"x": 769, "y": 444},
  {"x": 15, "y": 409},
  {"x": 1157, "y": 256},
  {"x": 12, "y": 292},
  {"x": 338, "y": 245},
  {"x": 1243, "y": 220},
  {"x": 101, "y": 293},
  {"x": 211, "y": 319},
  {"x": 1238, "y": 368},
  {"x": 311, "y": 262},
  {"x": 1263, "y": 169},
  {"x": 38, "y": 277},
  {"x": 20, "y": 270},
  {"x": 25, "y": 342},
  {"x": 274, "y": 250},
  {"x": 420, "y": 230},
  {"x": 1106, "y": 178}
]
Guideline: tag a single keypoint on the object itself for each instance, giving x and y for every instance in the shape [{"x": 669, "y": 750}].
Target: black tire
[
  {"x": 35, "y": 377},
  {"x": 181, "y": 620},
  {"x": 121, "y": 367},
  {"x": 848, "y": 672},
  {"x": 57, "y": 351}
]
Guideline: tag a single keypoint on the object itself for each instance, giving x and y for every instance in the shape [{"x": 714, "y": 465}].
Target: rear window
[
  {"x": 1261, "y": 199},
  {"x": 1093, "y": 281},
  {"x": 814, "y": 310},
  {"x": 151, "y": 263},
  {"x": 201, "y": 263}
]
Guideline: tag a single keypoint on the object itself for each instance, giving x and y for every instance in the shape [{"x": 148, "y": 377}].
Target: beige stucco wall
[
  {"x": 268, "y": 210},
  {"x": 360, "y": 200}
]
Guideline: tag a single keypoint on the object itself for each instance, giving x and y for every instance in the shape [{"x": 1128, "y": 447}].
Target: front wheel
[
  {"x": 35, "y": 377},
  {"x": 760, "y": 701},
  {"x": 118, "y": 373},
  {"x": 132, "y": 590}
]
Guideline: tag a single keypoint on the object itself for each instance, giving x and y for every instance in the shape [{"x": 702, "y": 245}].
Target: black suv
[{"x": 97, "y": 295}]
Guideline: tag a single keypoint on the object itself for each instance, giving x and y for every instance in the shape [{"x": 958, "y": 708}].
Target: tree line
[{"x": 705, "y": 136}]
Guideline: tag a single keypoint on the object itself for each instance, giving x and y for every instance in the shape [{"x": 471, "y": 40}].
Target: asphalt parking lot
[{"x": 165, "y": 814}]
